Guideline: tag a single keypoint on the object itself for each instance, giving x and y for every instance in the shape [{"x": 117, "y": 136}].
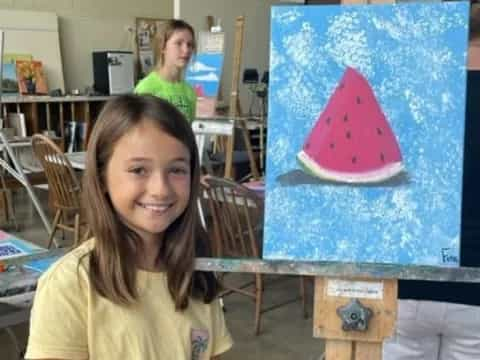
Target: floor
[{"x": 285, "y": 333}]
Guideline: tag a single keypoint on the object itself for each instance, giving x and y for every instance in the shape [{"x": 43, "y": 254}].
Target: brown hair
[
  {"x": 164, "y": 33},
  {"x": 474, "y": 28},
  {"x": 112, "y": 266}
]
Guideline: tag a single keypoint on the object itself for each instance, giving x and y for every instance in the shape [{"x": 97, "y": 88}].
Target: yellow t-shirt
[{"x": 70, "y": 320}]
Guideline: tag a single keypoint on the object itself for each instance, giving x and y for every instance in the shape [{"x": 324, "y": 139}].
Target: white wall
[
  {"x": 87, "y": 25},
  {"x": 256, "y": 37}
]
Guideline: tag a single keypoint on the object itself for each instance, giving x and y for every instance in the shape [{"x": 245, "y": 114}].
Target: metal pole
[{"x": 17, "y": 173}]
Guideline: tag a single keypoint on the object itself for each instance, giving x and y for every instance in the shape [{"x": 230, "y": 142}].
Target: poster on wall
[
  {"x": 145, "y": 31},
  {"x": 366, "y": 132}
]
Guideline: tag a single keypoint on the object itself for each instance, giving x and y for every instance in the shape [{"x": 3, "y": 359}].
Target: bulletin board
[
  {"x": 35, "y": 33},
  {"x": 145, "y": 30}
]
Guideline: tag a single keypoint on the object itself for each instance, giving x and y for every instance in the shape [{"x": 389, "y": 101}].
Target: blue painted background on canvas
[{"x": 413, "y": 56}]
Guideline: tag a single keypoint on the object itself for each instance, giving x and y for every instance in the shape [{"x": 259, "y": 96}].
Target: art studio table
[
  {"x": 203, "y": 128},
  {"x": 21, "y": 264},
  {"x": 77, "y": 159}
]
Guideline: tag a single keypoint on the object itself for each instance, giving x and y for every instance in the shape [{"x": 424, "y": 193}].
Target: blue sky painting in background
[
  {"x": 414, "y": 57},
  {"x": 10, "y": 75},
  {"x": 206, "y": 71}
]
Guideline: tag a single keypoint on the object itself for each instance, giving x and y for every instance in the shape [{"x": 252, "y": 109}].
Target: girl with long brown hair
[{"x": 131, "y": 292}]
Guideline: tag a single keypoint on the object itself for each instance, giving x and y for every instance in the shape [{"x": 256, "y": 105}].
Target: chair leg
[
  {"x": 76, "y": 234},
  {"x": 11, "y": 210},
  {"x": 86, "y": 235},
  {"x": 54, "y": 227},
  {"x": 15, "y": 342},
  {"x": 64, "y": 221},
  {"x": 258, "y": 302},
  {"x": 303, "y": 296}
]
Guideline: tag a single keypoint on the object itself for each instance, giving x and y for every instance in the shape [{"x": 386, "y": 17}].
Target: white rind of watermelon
[
  {"x": 352, "y": 141},
  {"x": 386, "y": 172}
]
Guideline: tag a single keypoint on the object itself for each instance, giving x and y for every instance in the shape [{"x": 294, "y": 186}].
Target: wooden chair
[
  {"x": 64, "y": 186},
  {"x": 235, "y": 215}
]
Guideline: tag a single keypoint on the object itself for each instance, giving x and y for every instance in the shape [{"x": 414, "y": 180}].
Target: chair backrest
[
  {"x": 61, "y": 177},
  {"x": 237, "y": 217}
]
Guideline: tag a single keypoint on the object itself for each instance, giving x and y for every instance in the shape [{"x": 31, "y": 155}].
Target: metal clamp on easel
[{"x": 354, "y": 316}]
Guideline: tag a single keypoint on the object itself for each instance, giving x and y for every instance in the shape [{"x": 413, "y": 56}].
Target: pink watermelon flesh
[{"x": 352, "y": 140}]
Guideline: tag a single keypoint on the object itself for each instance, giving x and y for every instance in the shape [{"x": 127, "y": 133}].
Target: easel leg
[
  {"x": 368, "y": 351},
  {"x": 338, "y": 350}
]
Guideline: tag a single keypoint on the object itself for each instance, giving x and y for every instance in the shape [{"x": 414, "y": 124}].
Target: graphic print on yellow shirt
[{"x": 199, "y": 340}]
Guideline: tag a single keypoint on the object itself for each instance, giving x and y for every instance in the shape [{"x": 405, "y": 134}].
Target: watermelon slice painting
[
  {"x": 366, "y": 132},
  {"x": 352, "y": 141}
]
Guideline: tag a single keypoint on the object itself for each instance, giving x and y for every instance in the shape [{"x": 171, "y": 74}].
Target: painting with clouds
[
  {"x": 204, "y": 74},
  {"x": 365, "y": 133}
]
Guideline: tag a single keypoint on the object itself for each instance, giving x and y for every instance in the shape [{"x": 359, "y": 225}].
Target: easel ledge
[
  {"x": 310, "y": 268},
  {"x": 341, "y": 269}
]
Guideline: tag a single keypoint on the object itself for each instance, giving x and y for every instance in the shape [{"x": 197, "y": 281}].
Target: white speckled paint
[{"x": 414, "y": 57}]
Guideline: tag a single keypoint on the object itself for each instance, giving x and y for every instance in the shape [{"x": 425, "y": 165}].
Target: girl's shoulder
[
  {"x": 148, "y": 83},
  {"x": 74, "y": 262}
]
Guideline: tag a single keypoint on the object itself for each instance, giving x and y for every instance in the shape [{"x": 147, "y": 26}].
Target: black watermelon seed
[
  {"x": 328, "y": 120},
  {"x": 307, "y": 145},
  {"x": 345, "y": 117},
  {"x": 332, "y": 145},
  {"x": 354, "y": 159},
  {"x": 348, "y": 135},
  {"x": 379, "y": 131},
  {"x": 382, "y": 157},
  {"x": 358, "y": 100},
  {"x": 341, "y": 86}
]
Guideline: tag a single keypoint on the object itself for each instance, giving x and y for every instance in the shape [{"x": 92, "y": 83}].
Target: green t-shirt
[{"x": 180, "y": 94}]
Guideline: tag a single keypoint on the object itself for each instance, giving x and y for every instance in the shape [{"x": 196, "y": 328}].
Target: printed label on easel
[
  {"x": 213, "y": 127},
  {"x": 355, "y": 289}
]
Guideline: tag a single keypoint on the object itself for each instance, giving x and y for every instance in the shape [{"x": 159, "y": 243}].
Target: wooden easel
[
  {"x": 331, "y": 294},
  {"x": 380, "y": 296},
  {"x": 234, "y": 107}
]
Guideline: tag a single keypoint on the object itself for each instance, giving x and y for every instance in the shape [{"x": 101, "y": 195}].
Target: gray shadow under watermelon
[{"x": 298, "y": 177}]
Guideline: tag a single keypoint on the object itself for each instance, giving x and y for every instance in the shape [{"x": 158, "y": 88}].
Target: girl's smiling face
[{"x": 148, "y": 179}]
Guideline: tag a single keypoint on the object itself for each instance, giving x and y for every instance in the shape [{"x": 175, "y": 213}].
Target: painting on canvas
[
  {"x": 204, "y": 75},
  {"x": 9, "y": 79},
  {"x": 31, "y": 77},
  {"x": 366, "y": 133}
]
